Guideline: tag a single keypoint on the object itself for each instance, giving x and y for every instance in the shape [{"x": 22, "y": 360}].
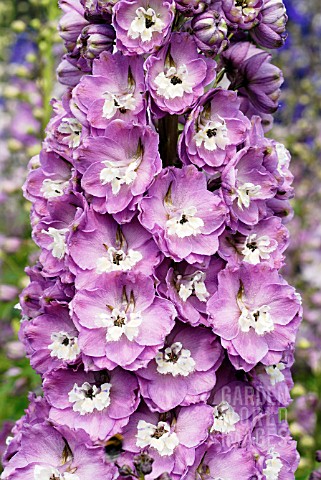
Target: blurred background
[{"x": 30, "y": 49}]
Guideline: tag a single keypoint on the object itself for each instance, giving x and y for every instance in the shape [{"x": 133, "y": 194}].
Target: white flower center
[
  {"x": 64, "y": 346},
  {"x": 72, "y": 128},
  {"x": 257, "y": 248},
  {"x": 47, "y": 472},
  {"x": 273, "y": 466},
  {"x": 259, "y": 319},
  {"x": 245, "y": 193},
  {"x": 118, "y": 175},
  {"x": 225, "y": 418},
  {"x": 53, "y": 188},
  {"x": 174, "y": 83},
  {"x": 58, "y": 245},
  {"x": 145, "y": 24},
  {"x": 214, "y": 135},
  {"x": 283, "y": 158},
  {"x": 113, "y": 103},
  {"x": 118, "y": 260},
  {"x": 185, "y": 224},
  {"x": 119, "y": 323},
  {"x": 157, "y": 436},
  {"x": 88, "y": 398},
  {"x": 275, "y": 373},
  {"x": 193, "y": 285},
  {"x": 175, "y": 360}
]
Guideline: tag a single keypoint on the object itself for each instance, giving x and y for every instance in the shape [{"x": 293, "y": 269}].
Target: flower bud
[
  {"x": 125, "y": 471},
  {"x": 316, "y": 475},
  {"x": 269, "y": 33},
  {"x": 68, "y": 72},
  {"x": 318, "y": 455},
  {"x": 143, "y": 464},
  {"x": 70, "y": 27},
  {"x": 95, "y": 39},
  {"x": 210, "y": 31}
]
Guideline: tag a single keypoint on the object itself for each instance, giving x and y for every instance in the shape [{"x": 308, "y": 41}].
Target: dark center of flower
[
  {"x": 89, "y": 393},
  {"x": 252, "y": 246},
  {"x": 256, "y": 316},
  {"x": 172, "y": 357},
  {"x": 119, "y": 322},
  {"x": 54, "y": 477},
  {"x": 211, "y": 132},
  {"x": 122, "y": 110},
  {"x": 183, "y": 219},
  {"x": 116, "y": 103},
  {"x": 159, "y": 432},
  {"x": 176, "y": 80},
  {"x": 117, "y": 258},
  {"x": 65, "y": 341},
  {"x": 149, "y": 22},
  {"x": 241, "y": 3}
]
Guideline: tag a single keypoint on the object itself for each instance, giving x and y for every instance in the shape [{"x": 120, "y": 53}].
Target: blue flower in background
[{"x": 23, "y": 46}]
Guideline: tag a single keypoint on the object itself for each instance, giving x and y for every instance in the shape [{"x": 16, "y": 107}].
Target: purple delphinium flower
[
  {"x": 242, "y": 14},
  {"x": 142, "y": 26},
  {"x": 36, "y": 413},
  {"x": 235, "y": 407},
  {"x": 274, "y": 381},
  {"x": 183, "y": 371},
  {"x": 111, "y": 248},
  {"x": 49, "y": 177},
  {"x": 65, "y": 213},
  {"x": 46, "y": 453},
  {"x": 115, "y": 90},
  {"x": 64, "y": 132},
  {"x": 223, "y": 463},
  {"x": 263, "y": 242},
  {"x": 170, "y": 439},
  {"x": 51, "y": 339},
  {"x": 43, "y": 291},
  {"x": 183, "y": 216},
  {"x": 246, "y": 185},
  {"x": 116, "y": 320},
  {"x": 189, "y": 287},
  {"x": 213, "y": 130},
  {"x": 119, "y": 166},
  {"x": 256, "y": 314},
  {"x": 100, "y": 403},
  {"x": 177, "y": 74},
  {"x": 251, "y": 73},
  {"x": 274, "y": 449}
]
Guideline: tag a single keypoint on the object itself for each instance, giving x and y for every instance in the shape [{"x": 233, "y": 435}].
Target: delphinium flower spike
[{"x": 156, "y": 314}]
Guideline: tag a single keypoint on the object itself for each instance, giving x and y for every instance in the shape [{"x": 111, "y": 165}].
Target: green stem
[{"x": 219, "y": 77}]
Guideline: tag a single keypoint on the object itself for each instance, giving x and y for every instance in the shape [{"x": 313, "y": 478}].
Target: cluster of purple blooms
[{"x": 156, "y": 310}]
